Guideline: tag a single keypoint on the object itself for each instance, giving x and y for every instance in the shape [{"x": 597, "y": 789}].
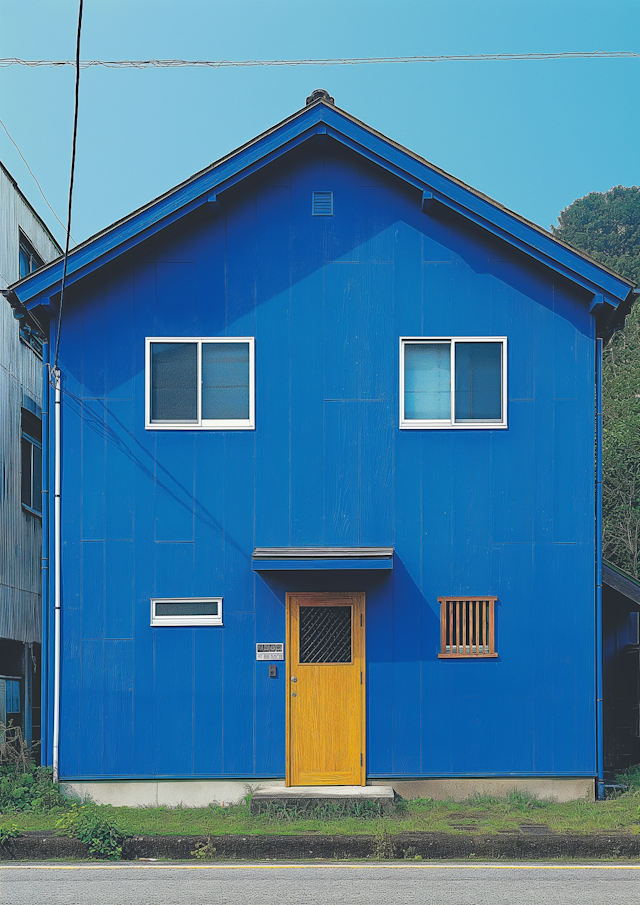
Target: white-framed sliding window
[
  {"x": 200, "y": 383},
  {"x": 186, "y": 611},
  {"x": 453, "y": 382}
]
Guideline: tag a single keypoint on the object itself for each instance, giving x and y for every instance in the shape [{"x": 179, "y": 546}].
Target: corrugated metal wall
[
  {"x": 20, "y": 375},
  {"x": 508, "y": 513}
]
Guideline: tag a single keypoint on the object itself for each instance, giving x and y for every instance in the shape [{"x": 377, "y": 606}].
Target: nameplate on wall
[{"x": 274, "y": 651}]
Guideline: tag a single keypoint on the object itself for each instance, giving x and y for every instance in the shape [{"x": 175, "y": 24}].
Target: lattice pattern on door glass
[
  {"x": 325, "y": 634},
  {"x": 467, "y": 627}
]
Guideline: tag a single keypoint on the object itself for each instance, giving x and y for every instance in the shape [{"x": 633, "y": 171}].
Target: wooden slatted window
[{"x": 467, "y": 627}]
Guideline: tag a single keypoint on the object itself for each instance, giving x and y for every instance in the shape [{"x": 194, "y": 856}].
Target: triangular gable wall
[{"x": 612, "y": 295}]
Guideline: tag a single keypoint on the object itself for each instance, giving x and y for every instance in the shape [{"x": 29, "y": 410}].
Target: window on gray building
[
  {"x": 30, "y": 260},
  {"x": 31, "y": 462}
]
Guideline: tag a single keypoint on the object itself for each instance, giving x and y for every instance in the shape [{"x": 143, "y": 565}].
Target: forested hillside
[{"x": 607, "y": 227}]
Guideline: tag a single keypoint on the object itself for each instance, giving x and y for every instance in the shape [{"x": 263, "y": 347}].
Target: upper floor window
[
  {"x": 450, "y": 382},
  {"x": 31, "y": 480},
  {"x": 29, "y": 258},
  {"x": 200, "y": 383}
]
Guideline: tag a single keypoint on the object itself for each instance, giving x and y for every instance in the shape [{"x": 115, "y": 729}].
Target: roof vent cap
[{"x": 319, "y": 95}]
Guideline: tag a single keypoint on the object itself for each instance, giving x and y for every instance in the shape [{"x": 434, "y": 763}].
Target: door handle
[{"x": 293, "y": 679}]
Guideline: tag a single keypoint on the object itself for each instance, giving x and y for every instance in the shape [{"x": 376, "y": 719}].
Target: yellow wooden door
[{"x": 325, "y": 694}]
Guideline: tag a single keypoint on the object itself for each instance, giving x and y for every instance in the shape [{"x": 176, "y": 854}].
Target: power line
[
  {"x": 34, "y": 179},
  {"x": 337, "y": 61},
  {"x": 71, "y": 177}
]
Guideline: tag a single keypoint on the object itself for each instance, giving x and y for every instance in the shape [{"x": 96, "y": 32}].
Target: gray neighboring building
[{"x": 25, "y": 244}]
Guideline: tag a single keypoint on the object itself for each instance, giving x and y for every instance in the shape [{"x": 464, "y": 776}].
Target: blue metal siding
[
  {"x": 505, "y": 512},
  {"x": 203, "y": 190}
]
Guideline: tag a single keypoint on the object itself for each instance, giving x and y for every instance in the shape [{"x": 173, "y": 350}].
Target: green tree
[{"x": 607, "y": 227}]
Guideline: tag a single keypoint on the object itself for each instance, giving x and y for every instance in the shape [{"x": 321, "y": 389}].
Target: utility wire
[
  {"x": 35, "y": 180},
  {"x": 337, "y": 61},
  {"x": 73, "y": 166}
]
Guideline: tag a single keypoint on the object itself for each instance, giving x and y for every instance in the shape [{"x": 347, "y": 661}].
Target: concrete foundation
[
  {"x": 555, "y": 788},
  {"x": 201, "y": 793},
  {"x": 165, "y": 793}
]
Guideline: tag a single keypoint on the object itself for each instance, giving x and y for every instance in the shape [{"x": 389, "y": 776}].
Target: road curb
[{"x": 45, "y": 846}]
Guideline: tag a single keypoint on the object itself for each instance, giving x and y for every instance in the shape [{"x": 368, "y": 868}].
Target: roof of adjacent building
[
  {"x": 612, "y": 294},
  {"x": 14, "y": 183},
  {"x": 621, "y": 581}
]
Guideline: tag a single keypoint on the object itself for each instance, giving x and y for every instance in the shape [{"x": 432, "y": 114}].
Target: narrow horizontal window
[
  {"x": 467, "y": 627},
  {"x": 200, "y": 383},
  {"x": 453, "y": 382},
  {"x": 186, "y": 611}
]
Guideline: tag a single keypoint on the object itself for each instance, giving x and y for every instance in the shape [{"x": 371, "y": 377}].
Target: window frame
[
  {"x": 201, "y": 424},
  {"x": 35, "y": 261},
  {"x": 33, "y": 443},
  {"x": 451, "y": 423},
  {"x": 193, "y": 620},
  {"x": 29, "y": 338}
]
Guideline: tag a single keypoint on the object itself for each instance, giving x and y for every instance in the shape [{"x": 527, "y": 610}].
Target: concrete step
[{"x": 339, "y": 800}]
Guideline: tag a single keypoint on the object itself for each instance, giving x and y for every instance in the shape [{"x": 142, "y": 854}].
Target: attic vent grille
[{"x": 322, "y": 204}]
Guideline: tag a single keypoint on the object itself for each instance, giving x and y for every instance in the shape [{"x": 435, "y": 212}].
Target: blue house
[{"x": 329, "y": 499}]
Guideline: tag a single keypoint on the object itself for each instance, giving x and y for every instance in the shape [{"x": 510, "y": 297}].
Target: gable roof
[
  {"x": 612, "y": 294},
  {"x": 31, "y": 208}
]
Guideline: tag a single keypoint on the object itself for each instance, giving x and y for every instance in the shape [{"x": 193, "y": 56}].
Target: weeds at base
[
  {"x": 326, "y": 810},
  {"x": 205, "y": 851},
  {"x": 383, "y": 847},
  {"x": 96, "y": 828},
  {"x": 8, "y": 831},
  {"x": 23, "y": 785}
]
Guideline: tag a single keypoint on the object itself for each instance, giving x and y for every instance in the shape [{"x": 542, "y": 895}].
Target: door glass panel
[{"x": 325, "y": 634}]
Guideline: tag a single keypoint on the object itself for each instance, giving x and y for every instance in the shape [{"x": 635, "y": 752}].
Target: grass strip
[{"x": 481, "y": 814}]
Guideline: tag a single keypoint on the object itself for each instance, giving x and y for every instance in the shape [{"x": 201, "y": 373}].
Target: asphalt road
[{"x": 324, "y": 884}]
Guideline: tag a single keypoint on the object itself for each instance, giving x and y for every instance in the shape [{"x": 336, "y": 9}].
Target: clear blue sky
[{"x": 533, "y": 135}]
